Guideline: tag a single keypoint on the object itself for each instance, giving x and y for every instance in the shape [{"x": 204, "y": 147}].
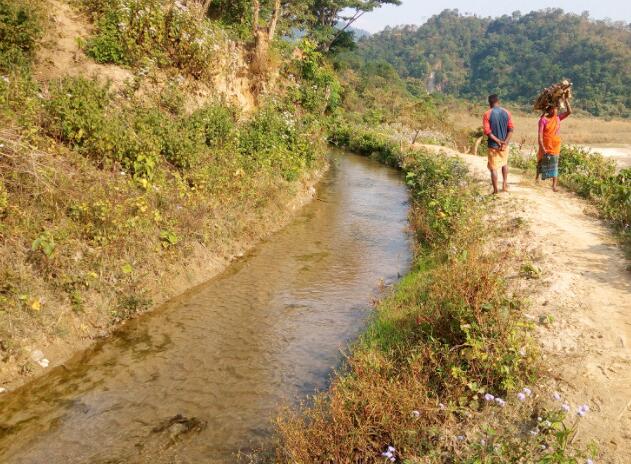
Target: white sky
[{"x": 418, "y": 11}]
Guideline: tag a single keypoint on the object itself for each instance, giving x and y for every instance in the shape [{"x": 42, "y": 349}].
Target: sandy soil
[{"x": 586, "y": 288}]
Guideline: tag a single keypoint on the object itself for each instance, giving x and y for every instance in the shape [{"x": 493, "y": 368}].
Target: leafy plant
[
  {"x": 169, "y": 238},
  {"x": 44, "y": 243},
  {"x": 21, "y": 27},
  {"x": 130, "y": 31}
]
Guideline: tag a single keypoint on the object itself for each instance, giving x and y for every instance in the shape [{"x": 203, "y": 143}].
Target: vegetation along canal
[{"x": 204, "y": 376}]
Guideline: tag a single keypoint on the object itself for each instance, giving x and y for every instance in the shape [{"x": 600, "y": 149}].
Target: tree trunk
[
  {"x": 205, "y": 7},
  {"x": 271, "y": 31},
  {"x": 256, "y": 12}
]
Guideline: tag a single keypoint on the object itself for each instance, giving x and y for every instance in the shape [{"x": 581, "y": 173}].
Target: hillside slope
[
  {"x": 514, "y": 56},
  {"x": 125, "y": 181}
]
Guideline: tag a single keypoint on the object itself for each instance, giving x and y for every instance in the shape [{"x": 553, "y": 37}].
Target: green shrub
[
  {"x": 585, "y": 172},
  {"x": 274, "y": 140},
  {"x": 20, "y": 30},
  {"x": 129, "y": 31},
  {"x": 320, "y": 89},
  {"x": 75, "y": 112},
  {"x": 593, "y": 176},
  {"x": 216, "y": 122},
  {"x": 107, "y": 46}
]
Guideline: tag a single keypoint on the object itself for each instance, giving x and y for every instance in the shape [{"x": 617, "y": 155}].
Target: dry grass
[{"x": 581, "y": 130}]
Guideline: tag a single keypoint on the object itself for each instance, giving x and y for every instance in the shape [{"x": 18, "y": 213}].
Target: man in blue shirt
[{"x": 498, "y": 127}]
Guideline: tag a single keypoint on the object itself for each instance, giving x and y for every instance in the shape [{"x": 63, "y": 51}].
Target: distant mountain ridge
[{"x": 514, "y": 56}]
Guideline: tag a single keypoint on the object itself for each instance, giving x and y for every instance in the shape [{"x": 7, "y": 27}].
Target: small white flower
[
  {"x": 589, "y": 461},
  {"x": 416, "y": 414},
  {"x": 460, "y": 437},
  {"x": 522, "y": 351},
  {"x": 527, "y": 391},
  {"x": 547, "y": 424},
  {"x": 489, "y": 397},
  {"x": 566, "y": 407},
  {"x": 389, "y": 453},
  {"x": 521, "y": 396},
  {"x": 43, "y": 362},
  {"x": 534, "y": 432},
  {"x": 483, "y": 442},
  {"x": 582, "y": 410},
  {"x": 441, "y": 406},
  {"x": 500, "y": 402},
  {"x": 556, "y": 396}
]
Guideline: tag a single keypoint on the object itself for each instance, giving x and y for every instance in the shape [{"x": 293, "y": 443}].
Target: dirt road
[{"x": 585, "y": 289}]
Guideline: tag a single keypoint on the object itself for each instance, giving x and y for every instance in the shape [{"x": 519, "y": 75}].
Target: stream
[{"x": 203, "y": 376}]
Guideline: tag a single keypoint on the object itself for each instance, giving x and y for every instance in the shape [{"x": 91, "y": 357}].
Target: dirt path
[
  {"x": 586, "y": 288},
  {"x": 62, "y": 54}
]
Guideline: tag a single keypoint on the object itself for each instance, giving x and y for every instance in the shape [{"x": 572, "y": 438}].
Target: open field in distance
[{"x": 611, "y": 138}]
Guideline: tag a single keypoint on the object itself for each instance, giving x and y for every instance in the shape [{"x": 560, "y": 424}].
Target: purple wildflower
[
  {"x": 390, "y": 454},
  {"x": 489, "y": 397},
  {"x": 521, "y": 396},
  {"x": 582, "y": 410}
]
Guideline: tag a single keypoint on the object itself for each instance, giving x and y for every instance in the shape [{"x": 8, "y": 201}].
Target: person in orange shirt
[
  {"x": 498, "y": 127},
  {"x": 550, "y": 143}
]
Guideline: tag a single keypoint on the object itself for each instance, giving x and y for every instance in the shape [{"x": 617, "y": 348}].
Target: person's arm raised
[{"x": 568, "y": 109}]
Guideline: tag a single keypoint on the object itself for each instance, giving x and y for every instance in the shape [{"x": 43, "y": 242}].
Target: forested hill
[{"x": 514, "y": 56}]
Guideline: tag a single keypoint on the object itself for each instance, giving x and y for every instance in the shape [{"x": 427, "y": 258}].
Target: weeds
[
  {"x": 20, "y": 30},
  {"x": 594, "y": 177},
  {"x": 439, "y": 375},
  {"x": 130, "y": 31}
]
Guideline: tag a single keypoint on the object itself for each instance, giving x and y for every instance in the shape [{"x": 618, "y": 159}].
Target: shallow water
[{"x": 266, "y": 333}]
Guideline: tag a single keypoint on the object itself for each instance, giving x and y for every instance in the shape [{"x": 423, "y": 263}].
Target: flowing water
[{"x": 229, "y": 354}]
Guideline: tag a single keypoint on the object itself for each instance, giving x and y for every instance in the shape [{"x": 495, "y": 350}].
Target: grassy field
[{"x": 579, "y": 130}]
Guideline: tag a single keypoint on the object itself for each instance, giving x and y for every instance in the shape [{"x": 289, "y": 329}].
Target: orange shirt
[{"x": 550, "y": 128}]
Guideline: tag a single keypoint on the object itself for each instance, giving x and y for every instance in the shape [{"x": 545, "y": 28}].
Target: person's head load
[{"x": 553, "y": 96}]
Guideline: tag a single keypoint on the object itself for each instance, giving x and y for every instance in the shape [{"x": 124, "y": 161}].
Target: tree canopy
[{"x": 514, "y": 55}]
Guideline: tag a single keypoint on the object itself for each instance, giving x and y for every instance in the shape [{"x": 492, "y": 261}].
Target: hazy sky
[{"x": 418, "y": 11}]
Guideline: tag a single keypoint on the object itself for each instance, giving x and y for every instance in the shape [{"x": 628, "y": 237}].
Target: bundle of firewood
[{"x": 554, "y": 95}]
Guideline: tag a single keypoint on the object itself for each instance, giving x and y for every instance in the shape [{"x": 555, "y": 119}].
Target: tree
[
  {"x": 263, "y": 35},
  {"x": 329, "y": 21}
]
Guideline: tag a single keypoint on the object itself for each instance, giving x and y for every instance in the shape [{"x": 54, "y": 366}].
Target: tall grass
[{"x": 419, "y": 379}]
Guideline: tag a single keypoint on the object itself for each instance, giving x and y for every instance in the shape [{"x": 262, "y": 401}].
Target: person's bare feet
[{"x": 554, "y": 189}]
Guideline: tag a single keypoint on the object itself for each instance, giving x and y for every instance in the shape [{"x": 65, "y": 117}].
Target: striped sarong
[{"x": 549, "y": 166}]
